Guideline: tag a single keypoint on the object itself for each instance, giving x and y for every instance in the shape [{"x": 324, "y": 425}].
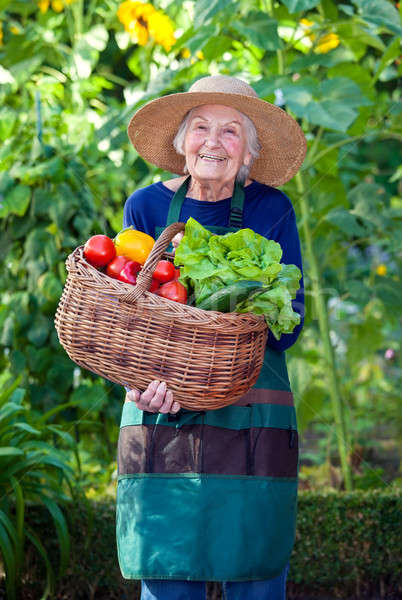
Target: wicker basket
[{"x": 131, "y": 336}]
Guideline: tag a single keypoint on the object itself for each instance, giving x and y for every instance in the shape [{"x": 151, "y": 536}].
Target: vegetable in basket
[
  {"x": 99, "y": 250},
  {"x": 134, "y": 244},
  {"x": 239, "y": 272}
]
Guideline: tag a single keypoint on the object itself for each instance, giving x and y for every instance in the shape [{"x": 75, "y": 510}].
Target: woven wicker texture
[{"x": 131, "y": 336}]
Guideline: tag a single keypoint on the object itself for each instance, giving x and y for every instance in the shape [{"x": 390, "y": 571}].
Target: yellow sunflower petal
[
  {"x": 43, "y": 5},
  {"x": 57, "y": 5},
  {"x": 327, "y": 42}
]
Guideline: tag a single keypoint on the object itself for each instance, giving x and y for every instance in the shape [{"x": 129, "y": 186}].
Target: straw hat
[{"x": 283, "y": 145}]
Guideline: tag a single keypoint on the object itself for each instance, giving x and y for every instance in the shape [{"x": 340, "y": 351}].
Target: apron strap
[{"x": 236, "y": 206}]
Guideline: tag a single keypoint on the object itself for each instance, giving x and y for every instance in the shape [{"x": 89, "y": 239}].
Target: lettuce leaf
[{"x": 209, "y": 262}]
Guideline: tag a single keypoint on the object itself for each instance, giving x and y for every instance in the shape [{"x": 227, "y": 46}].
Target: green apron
[{"x": 210, "y": 495}]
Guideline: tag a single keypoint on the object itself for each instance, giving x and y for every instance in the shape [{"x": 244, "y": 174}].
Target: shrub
[{"x": 347, "y": 546}]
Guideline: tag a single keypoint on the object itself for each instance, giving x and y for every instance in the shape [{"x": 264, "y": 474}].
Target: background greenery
[{"x": 72, "y": 73}]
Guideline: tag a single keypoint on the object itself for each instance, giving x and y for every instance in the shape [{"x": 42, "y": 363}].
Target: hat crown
[{"x": 223, "y": 84}]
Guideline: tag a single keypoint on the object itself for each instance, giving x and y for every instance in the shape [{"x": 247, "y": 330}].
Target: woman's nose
[{"x": 212, "y": 138}]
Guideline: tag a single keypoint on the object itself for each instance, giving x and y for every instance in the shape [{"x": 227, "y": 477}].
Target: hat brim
[{"x": 283, "y": 146}]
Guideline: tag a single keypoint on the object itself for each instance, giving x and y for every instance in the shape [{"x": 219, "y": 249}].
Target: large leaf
[
  {"x": 346, "y": 222},
  {"x": 259, "y": 29},
  {"x": 382, "y": 13},
  {"x": 206, "y": 9},
  {"x": 294, "y": 6},
  {"x": 16, "y": 201},
  {"x": 329, "y": 114},
  {"x": 201, "y": 37},
  {"x": 343, "y": 90}
]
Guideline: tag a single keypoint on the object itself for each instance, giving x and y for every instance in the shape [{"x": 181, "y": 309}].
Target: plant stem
[
  {"x": 321, "y": 309},
  {"x": 323, "y": 321}
]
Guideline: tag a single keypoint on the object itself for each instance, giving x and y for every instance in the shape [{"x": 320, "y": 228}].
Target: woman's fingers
[
  {"x": 133, "y": 395},
  {"x": 156, "y": 398},
  {"x": 177, "y": 239}
]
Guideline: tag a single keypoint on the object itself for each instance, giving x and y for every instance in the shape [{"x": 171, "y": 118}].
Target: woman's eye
[{"x": 231, "y": 131}]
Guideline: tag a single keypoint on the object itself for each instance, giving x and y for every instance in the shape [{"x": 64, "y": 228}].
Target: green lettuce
[{"x": 209, "y": 262}]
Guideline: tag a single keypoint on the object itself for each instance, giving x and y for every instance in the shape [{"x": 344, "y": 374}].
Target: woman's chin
[{"x": 211, "y": 175}]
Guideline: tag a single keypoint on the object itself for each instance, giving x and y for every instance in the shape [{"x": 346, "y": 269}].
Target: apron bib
[
  {"x": 210, "y": 495},
  {"x": 236, "y": 210}
]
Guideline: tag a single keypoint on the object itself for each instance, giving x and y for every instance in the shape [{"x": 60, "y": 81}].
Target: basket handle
[{"x": 145, "y": 275}]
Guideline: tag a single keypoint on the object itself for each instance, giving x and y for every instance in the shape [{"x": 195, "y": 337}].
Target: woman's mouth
[{"x": 212, "y": 157}]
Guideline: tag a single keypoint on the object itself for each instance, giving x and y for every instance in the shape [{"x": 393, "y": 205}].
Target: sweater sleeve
[{"x": 288, "y": 237}]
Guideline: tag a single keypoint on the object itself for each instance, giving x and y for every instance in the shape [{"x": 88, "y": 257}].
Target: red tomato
[
  {"x": 164, "y": 271},
  {"x": 173, "y": 290},
  {"x": 115, "y": 266},
  {"x": 155, "y": 285},
  {"x": 176, "y": 274},
  {"x": 99, "y": 250},
  {"x": 128, "y": 274}
]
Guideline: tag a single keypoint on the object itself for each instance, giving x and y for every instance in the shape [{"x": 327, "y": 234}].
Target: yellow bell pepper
[{"x": 136, "y": 245}]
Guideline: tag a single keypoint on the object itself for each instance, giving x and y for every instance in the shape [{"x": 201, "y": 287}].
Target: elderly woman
[{"x": 211, "y": 496}]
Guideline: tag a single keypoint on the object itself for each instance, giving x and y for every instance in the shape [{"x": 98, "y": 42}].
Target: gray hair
[{"x": 253, "y": 145}]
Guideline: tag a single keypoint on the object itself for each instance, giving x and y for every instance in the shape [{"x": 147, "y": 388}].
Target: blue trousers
[{"x": 269, "y": 589}]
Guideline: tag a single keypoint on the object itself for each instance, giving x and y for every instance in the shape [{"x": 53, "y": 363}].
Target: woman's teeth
[{"x": 210, "y": 157}]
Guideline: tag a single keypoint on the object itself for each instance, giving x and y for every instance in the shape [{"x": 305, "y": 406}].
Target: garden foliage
[
  {"x": 72, "y": 73},
  {"x": 347, "y": 546}
]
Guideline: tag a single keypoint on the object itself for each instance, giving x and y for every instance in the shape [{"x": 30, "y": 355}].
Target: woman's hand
[
  {"x": 156, "y": 398},
  {"x": 177, "y": 239}
]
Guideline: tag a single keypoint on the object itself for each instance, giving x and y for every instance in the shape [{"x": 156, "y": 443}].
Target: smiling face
[{"x": 215, "y": 144}]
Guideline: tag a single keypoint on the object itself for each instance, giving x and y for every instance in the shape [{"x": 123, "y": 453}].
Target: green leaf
[
  {"x": 391, "y": 53},
  {"x": 8, "y": 118},
  {"x": 50, "y": 287},
  {"x": 329, "y": 114},
  {"x": 357, "y": 38},
  {"x": 382, "y": 13},
  {"x": 343, "y": 90},
  {"x": 8, "y": 554},
  {"x": 61, "y": 530},
  {"x": 259, "y": 29},
  {"x": 197, "y": 41},
  {"x": 10, "y": 451},
  {"x": 8, "y": 333},
  {"x": 22, "y": 70},
  {"x": 346, "y": 222},
  {"x": 26, "y": 427},
  {"x": 357, "y": 73},
  {"x": 16, "y": 201},
  {"x": 39, "y": 331},
  {"x": 90, "y": 398},
  {"x": 216, "y": 46},
  {"x": 19, "y": 518},
  {"x": 330, "y": 9},
  {"x": 389, "y": 292},
  {"x": 206, "y": 9},
  {"x": 294, "y": 6},
  {"x": 50, "y": 578}
]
